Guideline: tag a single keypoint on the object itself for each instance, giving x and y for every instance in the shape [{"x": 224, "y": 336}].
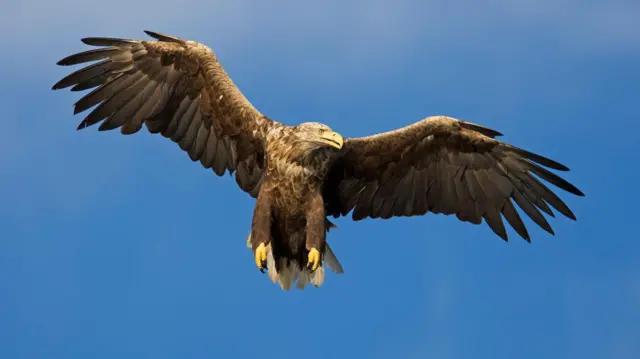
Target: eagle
[{"x": 301, "y": 175}]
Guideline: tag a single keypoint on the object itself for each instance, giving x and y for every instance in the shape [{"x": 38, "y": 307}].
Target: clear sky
[{"x": 121, "y": 247}]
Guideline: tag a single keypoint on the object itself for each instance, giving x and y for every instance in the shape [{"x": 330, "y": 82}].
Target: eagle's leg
[
  {"x": 316, "y": 231},
  {"x": 261, "y": 230}
]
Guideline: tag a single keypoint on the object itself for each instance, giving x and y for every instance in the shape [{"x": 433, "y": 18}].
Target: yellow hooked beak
[{"x": 332, "y": 139}]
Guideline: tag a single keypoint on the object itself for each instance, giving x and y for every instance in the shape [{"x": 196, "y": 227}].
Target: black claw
[{"x": 310, "y": 267}]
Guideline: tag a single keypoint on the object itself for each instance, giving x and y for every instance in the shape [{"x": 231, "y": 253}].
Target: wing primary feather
[
  {"x": 90, "y": 55},
  {"x": 478, "y": 128},
  {"x": 92, "y": 82},
  {"x": 163, "y": 37},
  {"x": 553, "y": 178},
  {"x": 534, "y": 196},
  {"x": 105, "y": 91},
  {"x": 536, "y": 199},
  {"x": 531, "y": 211},
  {"x": 125, "y": 104},
  {"x": 107, "y": 107},
  {"x": 161, "y": 120},
  {"x": 550, "y": 197},
  {"x": 494, "y": 221},
  {"x": 154, "y": 99},
  {"x": 108, "y": 41},
  {"x": 509, "y": 212},
  {"x": 83, "y": 74},
  {"x": 539, "y": 159}
]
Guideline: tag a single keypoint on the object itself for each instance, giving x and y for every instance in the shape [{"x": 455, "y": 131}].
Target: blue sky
[{"x": 115, "y": 246}]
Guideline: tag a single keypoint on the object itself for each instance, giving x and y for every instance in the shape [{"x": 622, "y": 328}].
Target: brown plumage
[{"x": 301, "y": 174}]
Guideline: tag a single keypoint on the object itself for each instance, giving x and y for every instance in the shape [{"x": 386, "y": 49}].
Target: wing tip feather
[
  {"x": 578, "y": 192},
  {"x": 82, "y": 125},
  {"x": 481, "y": 129},
  {"x": 106, "y": 41},
  {"x": 164, "y": 37},
  {"x": 66, "y": 61}
]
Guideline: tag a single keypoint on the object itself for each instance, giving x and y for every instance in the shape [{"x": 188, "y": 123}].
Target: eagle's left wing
[
  {"x": 176, "y": 88},
  {"x": 444, "y": 165}
]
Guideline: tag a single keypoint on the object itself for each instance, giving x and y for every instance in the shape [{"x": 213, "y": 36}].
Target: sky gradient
[{"x": 120, "y": 246}]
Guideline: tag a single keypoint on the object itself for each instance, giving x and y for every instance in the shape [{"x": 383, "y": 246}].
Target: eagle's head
[
  {"x": 311, "y": 145},
  {"x": 315, "y": 136}
]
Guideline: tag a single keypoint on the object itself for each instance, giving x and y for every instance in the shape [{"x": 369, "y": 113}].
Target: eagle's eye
[{"x": 320, "y": 131}]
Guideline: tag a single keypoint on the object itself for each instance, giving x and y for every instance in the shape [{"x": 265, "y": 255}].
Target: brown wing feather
[
  {"x": 176, "y": 88},
  {"x": 444, "y": 165}
]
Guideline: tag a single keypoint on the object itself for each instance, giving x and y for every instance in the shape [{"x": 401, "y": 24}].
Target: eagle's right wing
[
  {"x": 444, "y": 165},
  {"x": 176, "y": 88}
]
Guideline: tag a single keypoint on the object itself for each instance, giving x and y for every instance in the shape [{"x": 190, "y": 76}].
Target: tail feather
[
  {"x": 291, "y": 272},
  {"x": 331, "y": 260}
]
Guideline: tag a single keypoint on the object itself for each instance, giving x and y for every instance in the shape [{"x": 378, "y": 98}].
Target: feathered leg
[
  {"x": 316, "y": 232},
  {"x": 261, "y": 230}
]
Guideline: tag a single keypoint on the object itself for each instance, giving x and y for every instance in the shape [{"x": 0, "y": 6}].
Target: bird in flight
[{"x": 301, "y": 175}]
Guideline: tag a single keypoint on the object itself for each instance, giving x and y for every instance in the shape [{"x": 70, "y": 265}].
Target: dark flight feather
[
  {"x": 443, "y": 165},
  {"x": 178, "y": 89}
]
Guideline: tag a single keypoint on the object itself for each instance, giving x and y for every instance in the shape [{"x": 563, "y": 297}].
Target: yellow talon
[
  {"x": 314, "y": 259},
  {"x": 261, "y": 256}
]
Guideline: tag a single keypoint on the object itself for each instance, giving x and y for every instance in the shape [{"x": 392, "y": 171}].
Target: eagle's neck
[
  {"x": 295, "y": 169},
  {"x": 291, "y": 159}
]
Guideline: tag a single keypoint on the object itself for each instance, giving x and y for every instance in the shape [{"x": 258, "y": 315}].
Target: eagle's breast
[{"x": 293, "y": 169}]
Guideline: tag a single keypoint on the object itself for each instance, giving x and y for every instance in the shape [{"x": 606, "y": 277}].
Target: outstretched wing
[
  {"x": 176, "y": 88},
  {"x": 444, "y": 165}
]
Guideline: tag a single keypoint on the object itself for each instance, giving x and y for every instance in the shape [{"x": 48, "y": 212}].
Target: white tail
[{"x": 291, "y": 272}]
